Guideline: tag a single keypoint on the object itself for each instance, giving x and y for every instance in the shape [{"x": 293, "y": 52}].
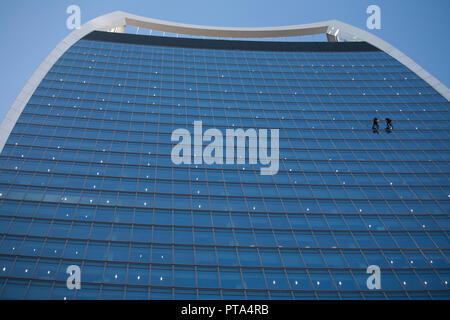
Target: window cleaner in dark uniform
[
  {"x": 375, "y": 126},
  {"x": 389, "y": 126}
]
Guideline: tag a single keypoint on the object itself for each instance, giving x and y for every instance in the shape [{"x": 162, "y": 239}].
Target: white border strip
[{"x": 118, "y": 20}]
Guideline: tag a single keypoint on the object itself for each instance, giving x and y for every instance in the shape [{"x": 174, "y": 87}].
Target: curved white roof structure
[{"x": 118, "y": 20}]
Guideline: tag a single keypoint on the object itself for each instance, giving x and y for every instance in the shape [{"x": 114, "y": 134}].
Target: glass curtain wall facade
[{"x": 87, "y": 179}]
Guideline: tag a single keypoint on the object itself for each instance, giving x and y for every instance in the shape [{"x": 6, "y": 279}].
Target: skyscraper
[{"x": 88, "y": 176}]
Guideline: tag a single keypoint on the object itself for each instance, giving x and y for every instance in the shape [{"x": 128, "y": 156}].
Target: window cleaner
[
  {"x": 375, "y": 126},
  {"x": 389, "y": 126}
]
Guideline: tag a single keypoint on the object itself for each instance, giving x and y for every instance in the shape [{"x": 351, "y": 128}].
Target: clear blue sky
[{"x": 31, "y": 29}]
